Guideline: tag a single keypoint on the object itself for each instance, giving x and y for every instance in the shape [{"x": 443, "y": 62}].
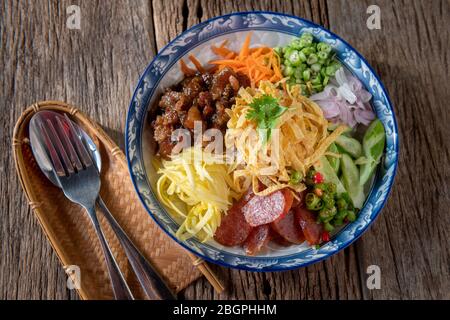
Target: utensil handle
[
  {"x": 150, "y": 280},
  {"x": 119, "y": 285}
]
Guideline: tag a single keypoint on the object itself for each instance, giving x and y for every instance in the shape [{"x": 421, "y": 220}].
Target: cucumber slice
[
  {"x": 334, "y": 162},
  {"x": 373, "y": 147},
  {"x": 367, "y": 170},
  {"x": 374, "y": 134},
  {"x": 350, "y": 180},
  {"x": 350, "y": 145},
  {"x": 332, "y": 126},
  {"x": 329, "y": 174}
]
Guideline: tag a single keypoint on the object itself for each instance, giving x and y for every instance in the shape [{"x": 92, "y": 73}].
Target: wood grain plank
[
  {"x": 95, "y": 68},
  {"x": 409, "y": 241}
]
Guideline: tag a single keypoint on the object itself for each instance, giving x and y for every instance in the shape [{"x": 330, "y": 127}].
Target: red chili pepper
[
  {"x": 325, "y": 236},
  {"x": 318, "y": 178}
]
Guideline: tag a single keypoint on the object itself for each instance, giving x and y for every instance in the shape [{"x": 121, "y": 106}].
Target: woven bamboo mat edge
[{"x": 113, "y": 148}]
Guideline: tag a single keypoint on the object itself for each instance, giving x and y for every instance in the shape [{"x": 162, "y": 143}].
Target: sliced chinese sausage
[
  {"x": 261, "y": 210},
  {"x": 234, "y": 229},
  {"x": 279, "y": 240},
  {"x": 288, "y": 228},
  {"x": 307, "y": 221},
  {"x": 257, "y": 239}
]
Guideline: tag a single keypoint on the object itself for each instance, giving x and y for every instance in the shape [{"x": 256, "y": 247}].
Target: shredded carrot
[
  {"x": 185, "y": 69},
  {"x": 190, "y": 72},
  {"x": 245, "y": 47},
  {"x": 197, "y": 64},
  {"x": 224, "y": 43},
  {"x": 259, "y": 63},
  {"x": 257, "y": 52},
  {"x": 228, "y": 62}
]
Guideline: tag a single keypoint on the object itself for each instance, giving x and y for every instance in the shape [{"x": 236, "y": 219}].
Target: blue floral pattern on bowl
[{"x": 273, "y": 22}]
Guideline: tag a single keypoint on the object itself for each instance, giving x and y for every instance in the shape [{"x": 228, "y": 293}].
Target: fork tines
[{"x": 64, "y": 145}]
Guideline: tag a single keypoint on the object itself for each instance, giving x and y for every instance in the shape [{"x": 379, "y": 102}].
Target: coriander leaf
[{"x": 265, "y": 111}]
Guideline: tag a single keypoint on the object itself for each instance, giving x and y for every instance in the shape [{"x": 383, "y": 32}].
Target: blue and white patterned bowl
[{"x": 270, "y": 29}]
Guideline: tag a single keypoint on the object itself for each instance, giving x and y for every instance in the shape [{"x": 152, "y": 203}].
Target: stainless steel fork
[{"x": 79, "y": 179}]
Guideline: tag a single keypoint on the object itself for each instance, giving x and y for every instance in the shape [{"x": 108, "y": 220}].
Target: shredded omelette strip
[{"x": 301, "y": 139}]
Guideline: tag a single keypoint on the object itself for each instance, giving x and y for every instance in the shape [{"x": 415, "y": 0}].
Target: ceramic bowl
[{"x": 270, "y": 29}]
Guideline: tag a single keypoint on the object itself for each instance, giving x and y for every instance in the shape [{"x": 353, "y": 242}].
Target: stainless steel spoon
[{"x": 149, "y": 278}]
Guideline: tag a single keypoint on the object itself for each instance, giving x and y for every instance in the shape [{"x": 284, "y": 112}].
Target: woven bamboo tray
[{"x": 69, "y": 230}]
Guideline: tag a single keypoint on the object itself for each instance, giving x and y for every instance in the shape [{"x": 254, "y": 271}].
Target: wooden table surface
[{"x": 97, "y": 67}]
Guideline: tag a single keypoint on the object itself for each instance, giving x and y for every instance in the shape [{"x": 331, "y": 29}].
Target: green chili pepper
[
  {"x": 328, "y": 200},
  {"x": 328, "y": 227},
  {"x": 331, "y": 187},
  {"x": 296, "y": 177},
  {"x": 341, "y": 214},
  {"x": 322, "y": 186},
  {"x": 313, "y": 202},
  {"x": 351, "y": 216},
  {"x": 341, "y": 204},
  {"x": 327, "y": 214}
]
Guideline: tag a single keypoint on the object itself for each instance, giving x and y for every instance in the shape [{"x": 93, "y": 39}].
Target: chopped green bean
[
  {"x": 311, "y": 62},
  {"x": 312, "y": 59},
  {"x": 322, "y": 55},
  {"x": 288, "y": 71},
  {"x": 294, "y": 58},
  {"x": 316, "y": 68},
  {"x": 306, "y": 75}
]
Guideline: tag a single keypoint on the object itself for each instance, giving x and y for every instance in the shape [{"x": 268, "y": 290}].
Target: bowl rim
[{"x": 273, "y": 267}]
